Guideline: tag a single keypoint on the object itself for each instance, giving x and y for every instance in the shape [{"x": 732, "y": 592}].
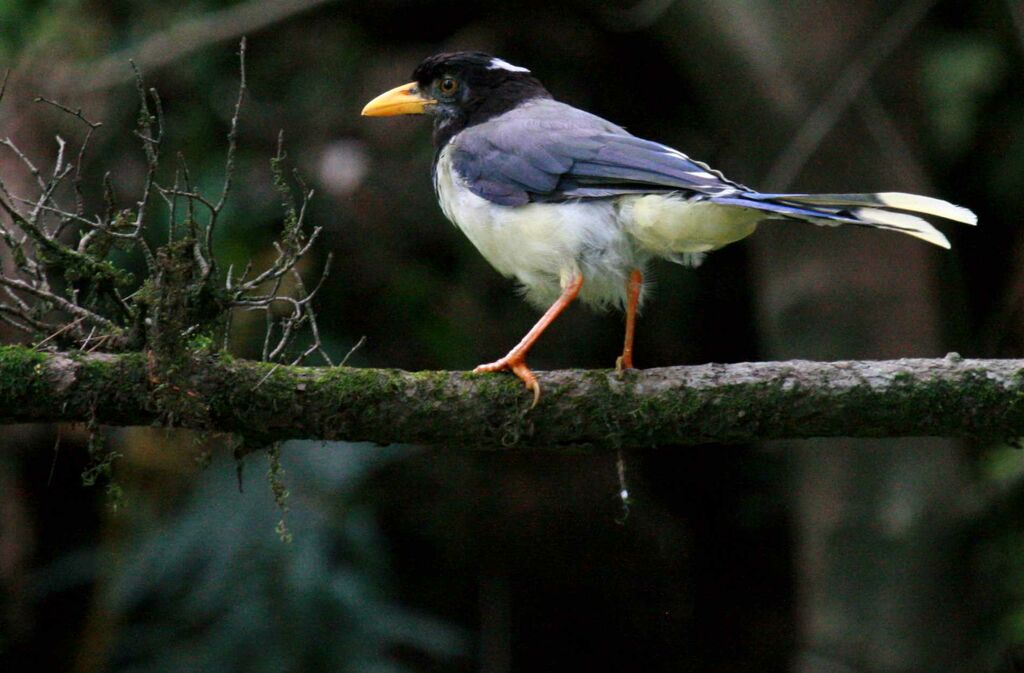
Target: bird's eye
[{"x": 448, "y": 85}]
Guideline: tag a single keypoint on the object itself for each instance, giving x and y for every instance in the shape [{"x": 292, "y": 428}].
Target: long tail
[{"x": 879, "y": 211}]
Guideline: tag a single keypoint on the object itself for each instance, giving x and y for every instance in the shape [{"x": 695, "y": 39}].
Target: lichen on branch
[{"x": 732, "y": 403}]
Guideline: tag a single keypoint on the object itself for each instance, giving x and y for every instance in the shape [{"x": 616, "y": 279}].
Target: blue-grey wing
[{"x": 548, "y": 151}]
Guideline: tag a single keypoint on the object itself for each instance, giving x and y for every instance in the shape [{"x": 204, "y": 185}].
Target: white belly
[{"x": 544, "y": 245}]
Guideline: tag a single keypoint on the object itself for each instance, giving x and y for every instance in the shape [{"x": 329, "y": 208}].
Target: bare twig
[
  {"x": 183, "y": 39},
  {"x": 25, "y": 160},
  {"x": 23, "y": 321},
  {"x": 71, "y": 325},
  {"x": 284, "y": 262},
  {"x": 58, "y": 302},
  {"x": 77, "y": 112},
  {"x": 190, "y": 202},
  {"x": 77, "y": 180},
  {"x": 359, "y": 344},
  {"x": 229, "y": 167}
]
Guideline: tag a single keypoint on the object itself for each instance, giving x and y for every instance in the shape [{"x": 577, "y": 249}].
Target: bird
[{"x": 573, "y": 206}]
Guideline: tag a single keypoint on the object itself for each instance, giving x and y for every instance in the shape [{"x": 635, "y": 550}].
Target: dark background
[{"x": 902, "y": 555}]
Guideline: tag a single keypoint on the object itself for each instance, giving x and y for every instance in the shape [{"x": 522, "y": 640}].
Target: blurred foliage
[
  {"x": 958, "y": 75},
  {"x": 206, "y": 584}
]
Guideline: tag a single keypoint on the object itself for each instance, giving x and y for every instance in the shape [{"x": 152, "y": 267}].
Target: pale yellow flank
[{"x": 669, "y": 224}]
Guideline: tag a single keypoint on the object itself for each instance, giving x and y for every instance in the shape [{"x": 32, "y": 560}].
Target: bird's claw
[
  {"x": 518, "y": 367},
  {"x": 623, "y": 362}
]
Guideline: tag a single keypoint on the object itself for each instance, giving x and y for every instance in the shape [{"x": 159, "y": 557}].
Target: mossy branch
[{"x": 733, "y": 403}]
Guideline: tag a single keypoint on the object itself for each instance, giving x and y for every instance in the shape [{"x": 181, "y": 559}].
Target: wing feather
[{"x": 548, "y": 151}]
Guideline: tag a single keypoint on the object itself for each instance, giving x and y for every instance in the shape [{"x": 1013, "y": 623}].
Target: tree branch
[
  {"x": 598, "y": 409},
  {"x": 179, "y": 41}
]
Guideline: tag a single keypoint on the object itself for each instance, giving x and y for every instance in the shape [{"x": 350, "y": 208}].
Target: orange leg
[
  {"x": 516, "y": 358},
  {"x": 633, "y": 285}
]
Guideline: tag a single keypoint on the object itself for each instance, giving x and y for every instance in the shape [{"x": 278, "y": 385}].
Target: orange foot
[
  {"x": 624, "y": 361},
  {"x": 519, "y": 368}
]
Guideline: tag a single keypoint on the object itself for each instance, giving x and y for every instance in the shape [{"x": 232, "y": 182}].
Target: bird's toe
[
  {"x": 496, "y": 366},
  {"x": 518, "y": 367}
]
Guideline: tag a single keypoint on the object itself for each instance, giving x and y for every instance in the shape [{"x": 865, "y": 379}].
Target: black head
[{"x": 459, "y": 89}]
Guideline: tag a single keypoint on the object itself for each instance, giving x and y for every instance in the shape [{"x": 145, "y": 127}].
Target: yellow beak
[{"x": 402, "y": 100}]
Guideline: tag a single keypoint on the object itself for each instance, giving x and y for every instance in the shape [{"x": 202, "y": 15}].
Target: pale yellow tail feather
[{"x": 903, "y": 223}]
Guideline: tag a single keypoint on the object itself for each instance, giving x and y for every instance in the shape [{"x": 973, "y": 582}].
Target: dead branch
[{"x": 182, "y": 39}]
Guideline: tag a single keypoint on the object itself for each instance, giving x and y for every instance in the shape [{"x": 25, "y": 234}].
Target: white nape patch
[
  {"x": 499, "y": 64},
  {"x": 928, "y": 206}
]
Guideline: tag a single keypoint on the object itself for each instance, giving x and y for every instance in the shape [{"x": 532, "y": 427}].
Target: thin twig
[
  {"x": 77, "y": 112},
  {"x": 23, "y": 321},
  {"x": 71, "y": 325},
  {"x": 58, "y": 301},
  {"x": 25, "y": 160},
  {"x": 281, "y": 265},
  {"x": 229, "y": 167},
  {"x": 181, "y": 40},
  {"x": 359, "y": 344}
]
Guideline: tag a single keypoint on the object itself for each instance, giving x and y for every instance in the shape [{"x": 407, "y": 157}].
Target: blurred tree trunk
[
  {"x": 880, "y": 572},
  {"x": 878, "y": 560}
]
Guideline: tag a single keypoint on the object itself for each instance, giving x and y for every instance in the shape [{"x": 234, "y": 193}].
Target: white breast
[{"x": 543, "y": 245}]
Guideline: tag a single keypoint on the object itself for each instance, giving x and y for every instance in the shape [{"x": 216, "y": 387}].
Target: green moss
[
  {"x": 351, "y": 386},
  {"x": 201, "y": 342},
  {"x": 499, "y": 388},
  {"x": 78, "y": 267},
  {"x": 101, "y": 467},
  {"x": 23, "y": 375},
  {"x": 275, "y": 478}
]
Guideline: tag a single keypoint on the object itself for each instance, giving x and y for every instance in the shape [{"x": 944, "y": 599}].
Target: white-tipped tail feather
[
  {"x": 914, "y": 203},
  {"x": 903, "y": 223},
  {"x": 668, "y": 225},
  {"x": 928, "y": 206},
  {"x": 870, "y": 210}
]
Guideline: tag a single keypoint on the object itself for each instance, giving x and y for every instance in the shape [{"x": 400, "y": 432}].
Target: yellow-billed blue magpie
[{"x": 572, "y": 205}]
